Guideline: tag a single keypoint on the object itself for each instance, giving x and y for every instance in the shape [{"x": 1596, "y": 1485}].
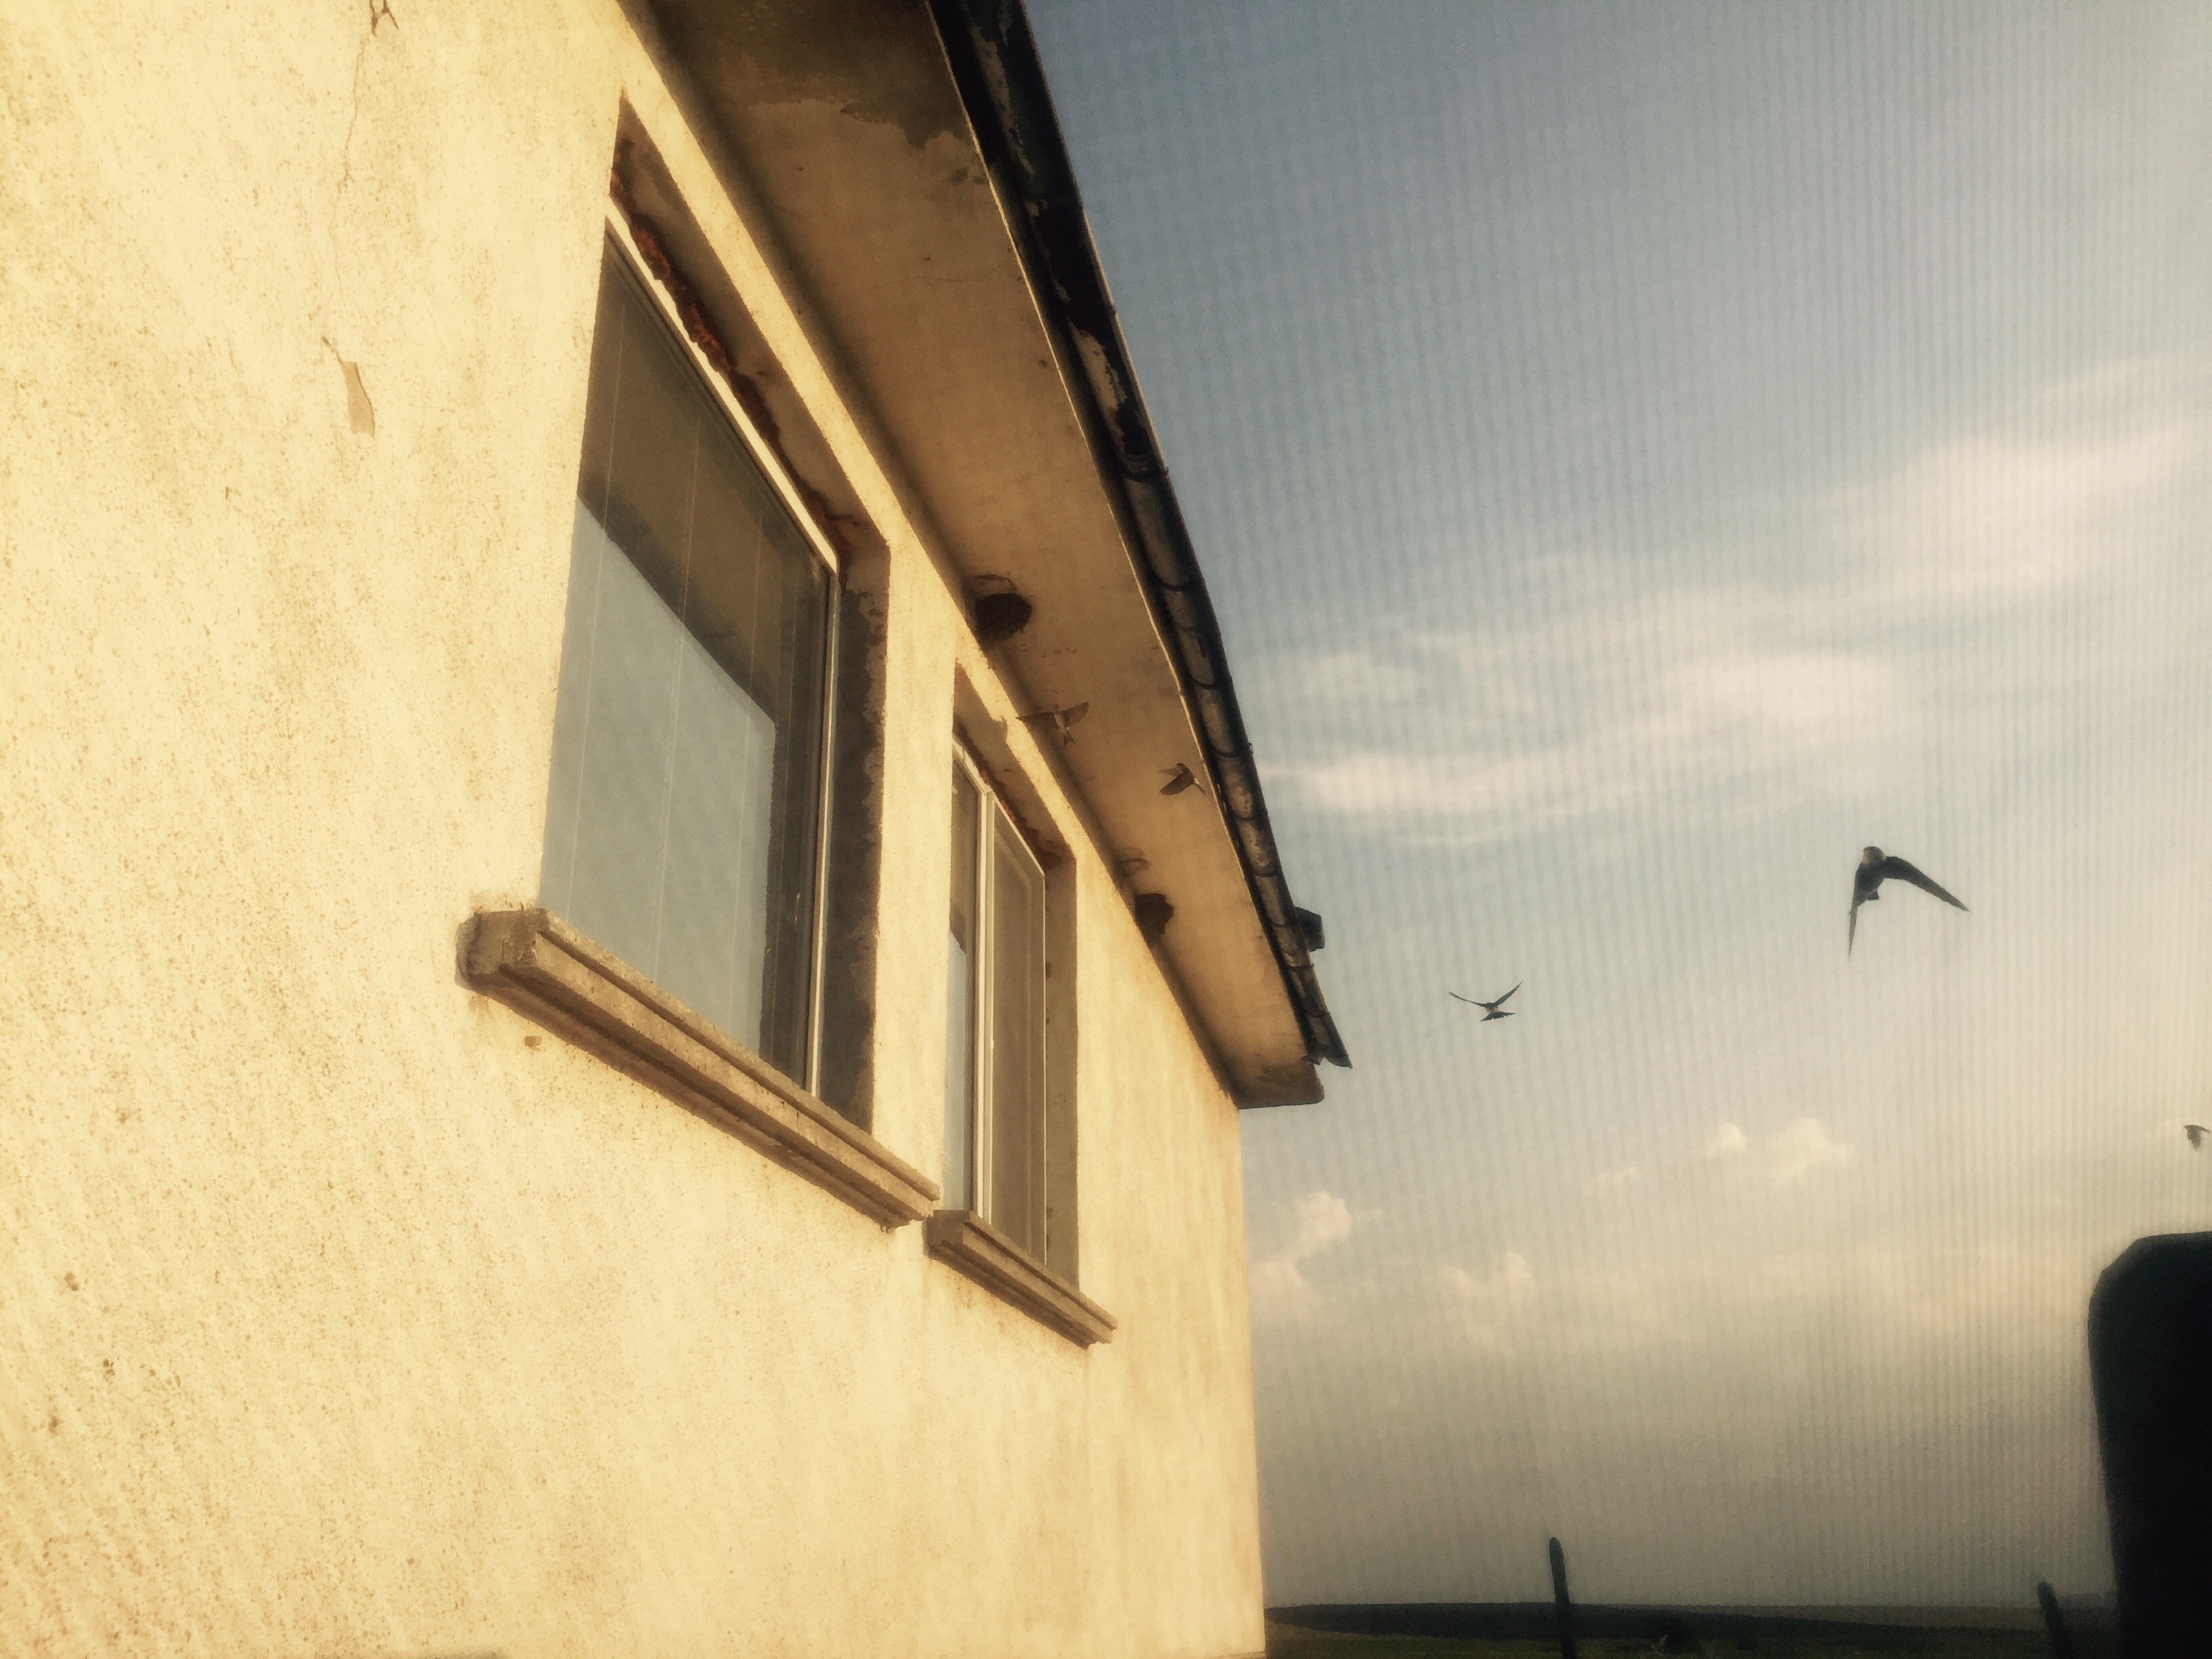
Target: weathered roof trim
[{"x": 1001, "y": 80}]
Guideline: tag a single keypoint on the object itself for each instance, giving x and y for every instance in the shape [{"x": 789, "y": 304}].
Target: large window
[
  {"x": 994, "y": 1085},
  {"x": 685, "y": 824}
]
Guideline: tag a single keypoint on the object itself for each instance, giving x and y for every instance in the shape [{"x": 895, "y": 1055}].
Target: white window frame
[{"x": 992, "y": 812}]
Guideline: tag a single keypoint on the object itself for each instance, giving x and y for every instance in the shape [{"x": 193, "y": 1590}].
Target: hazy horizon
[{"x": 1642, "y": 455}]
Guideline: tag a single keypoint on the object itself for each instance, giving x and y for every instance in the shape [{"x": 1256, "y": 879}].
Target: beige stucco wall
[{"x": 340, "y": 1311}]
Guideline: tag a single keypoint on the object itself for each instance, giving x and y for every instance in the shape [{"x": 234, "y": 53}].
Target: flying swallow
[
  {"x": 1866, "y": 885},
  {"x": 1058, "y": 719},
  {"x": 1493, "y": 1010},
  {"x": 2195, "y": 1131}
]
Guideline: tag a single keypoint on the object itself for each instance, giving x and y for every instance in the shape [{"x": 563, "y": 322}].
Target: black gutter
[{"x": 1001, "y": 80}]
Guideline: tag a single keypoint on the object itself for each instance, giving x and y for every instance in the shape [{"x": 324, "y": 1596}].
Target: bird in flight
[
  {"x": 1874, "y": 868},
  {"x": 1492, "y": 1010},
  {"x": 2195, "y": 1131}
]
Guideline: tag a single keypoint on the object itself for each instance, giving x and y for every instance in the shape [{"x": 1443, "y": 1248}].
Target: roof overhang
[{"x": 918, "y": 186}]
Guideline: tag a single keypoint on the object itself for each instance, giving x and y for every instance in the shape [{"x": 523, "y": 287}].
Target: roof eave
[{"x": 1002, "y": 86}]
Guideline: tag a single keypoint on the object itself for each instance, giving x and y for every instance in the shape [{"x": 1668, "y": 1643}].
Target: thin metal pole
[
  {"x": 2054, "y": 1622},
  {"x": 1559, "y": 1596}
]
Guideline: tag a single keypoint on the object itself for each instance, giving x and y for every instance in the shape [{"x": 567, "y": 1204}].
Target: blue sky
[{"x": 1641, "y": 454}]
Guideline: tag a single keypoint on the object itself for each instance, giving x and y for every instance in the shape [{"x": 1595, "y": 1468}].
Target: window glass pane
[
  {"x": 960, "y": 1003},
  {"x": 683, "y": 814},
  {"x": 1017, "y": 1025}
]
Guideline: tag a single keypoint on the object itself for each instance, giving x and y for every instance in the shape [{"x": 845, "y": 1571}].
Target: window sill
[
  {"x": 966, "y": 1241},
  {"x": 536, "y": 964}
]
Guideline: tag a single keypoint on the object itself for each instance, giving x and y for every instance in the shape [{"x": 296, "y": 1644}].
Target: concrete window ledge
[
  {"x": 536, "y": 964},
  {"x": 971, "y": 1245}
]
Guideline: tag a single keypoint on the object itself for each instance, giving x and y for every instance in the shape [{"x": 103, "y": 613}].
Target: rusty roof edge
[{"x": 1001, "y": 83}]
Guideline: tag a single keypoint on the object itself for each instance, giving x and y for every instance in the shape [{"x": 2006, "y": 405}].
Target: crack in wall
[{"x": 378, "y": 11}]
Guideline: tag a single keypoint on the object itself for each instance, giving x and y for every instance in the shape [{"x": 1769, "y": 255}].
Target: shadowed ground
[{"x": 1525, "y": 1631}]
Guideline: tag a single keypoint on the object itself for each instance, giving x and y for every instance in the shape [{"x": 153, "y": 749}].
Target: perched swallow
[
  {"x": 1866, "y": 885},
  {"x": 2195, "y": 1131},
  {"x": 1494, "y": 1011}
]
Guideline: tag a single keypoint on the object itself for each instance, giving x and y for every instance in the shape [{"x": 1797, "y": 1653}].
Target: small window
[
  {"x": 994, "y": 1087},
  {"x": 684, "y": 828}
]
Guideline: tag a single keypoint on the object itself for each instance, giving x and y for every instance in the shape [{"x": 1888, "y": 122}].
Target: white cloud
[
  {"x": 1597, "y": 686},
  {"x": 1612, "y": 1181},
  {"x": 1323, "y": 1220},
  {"x": 1894, "y": 1299},
  {"x": 1727, "y": 1140},
  {"x": 1784, "y": 1158},
  {"x": 1356, "y": 676},
  {"x": 1485, "y": 1311},
  {"x": 1807, "y": 695},
  {"x": 1615, "y": 699},
  {"x": 1385, "y": 784},
  {"x": 1280, "y": 1290},
  {"x": 1989, "y": 516},
  {"x": 1804, "y": 1146}
]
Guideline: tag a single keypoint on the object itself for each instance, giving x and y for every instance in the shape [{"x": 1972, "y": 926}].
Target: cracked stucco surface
[{"x": 341, "y": 1312}]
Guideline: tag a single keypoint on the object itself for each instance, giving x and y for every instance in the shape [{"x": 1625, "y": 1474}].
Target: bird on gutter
[
  {"x": 1874, "y": 868},
  {"x": 1491, "y": 1009}
]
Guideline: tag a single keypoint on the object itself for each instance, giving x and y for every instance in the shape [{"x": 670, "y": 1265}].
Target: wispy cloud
[
  {"x": 1990, "y": 517},
  {"x": 1611, "y": 684},
  {"x": 1727, "y": 1140},
  {"x": 1898, "y": 1299},
  {"x": 1783, "y": 1159},
  {"x": 1279, "y": 1290},
  {"x": 1804, "y": 1146},
  {"x": 1485, "y": 1311},
  {"x": 1614, "y": 704}
]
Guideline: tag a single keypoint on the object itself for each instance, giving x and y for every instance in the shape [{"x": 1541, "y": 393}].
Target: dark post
[
  {"x": 2054, "y": 1623},
  {"x": 2150, "y": 1365},
  {"x": 1559, "y": 1596}
]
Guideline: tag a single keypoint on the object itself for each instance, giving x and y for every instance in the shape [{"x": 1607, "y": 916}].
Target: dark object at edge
[
  {"x": 1559, "y": 1598},
  {"x": 1154, "y": 913},
  {"x": 1310, "y": 924},
  {"x": 2150, "y": 1367},
  {"x": 994, "y": 63},
  {"x": 2054, "y": 1622}
]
